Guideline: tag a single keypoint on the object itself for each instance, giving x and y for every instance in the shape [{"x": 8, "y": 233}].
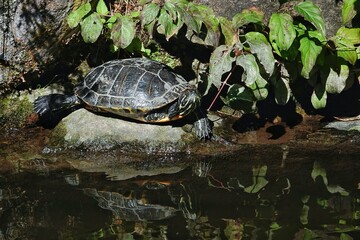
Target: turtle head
[{"x": 189, "y": 100}]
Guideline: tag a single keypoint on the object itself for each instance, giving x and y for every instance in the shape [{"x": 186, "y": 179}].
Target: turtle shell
[{"x": 131, "y": 87}]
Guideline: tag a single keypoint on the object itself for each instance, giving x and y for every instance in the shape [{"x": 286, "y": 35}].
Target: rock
[
  {"x": 33, "y": 36},
  {"x": 345, "y": 126},
  {"x": 86, "y": 130}
]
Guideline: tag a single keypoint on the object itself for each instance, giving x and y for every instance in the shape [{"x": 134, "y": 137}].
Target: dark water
[{"x": 244, "y": 195}]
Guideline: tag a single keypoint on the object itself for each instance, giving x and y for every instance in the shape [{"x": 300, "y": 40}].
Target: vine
[{"x": 288, "y": 49}]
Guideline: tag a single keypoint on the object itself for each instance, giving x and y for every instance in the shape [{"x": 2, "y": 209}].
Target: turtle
[{"x": 133, "y": 88}]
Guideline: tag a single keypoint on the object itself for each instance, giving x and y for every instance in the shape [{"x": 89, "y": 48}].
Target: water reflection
[{"x": 212, "y": 198}]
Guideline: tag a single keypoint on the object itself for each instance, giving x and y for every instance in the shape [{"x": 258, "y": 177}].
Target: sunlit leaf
[
  {"x": 346, "y": 50},
  {"x": 344, "y": 41},
  {"x": 319, "y": 96},
  {"x": 282, "y": 32},
  {"x": 189, "y": 20},
  {"x": 91, "y": 28},
  {"x": 149, "y": 13},
  {"x": 167, "y": 26},
  {"x": 123, "y": 32},
  {"x": 251, "y": 69},
  {"x": 259, "y": 180},
  {"x": 220, "y": 62},
  {"x": 312, "y": 13},
  {"x": 143, "y": 2},
  {"x": 137, "y": 46},
  {"x": 76, "y": 16},
  {"x": 336, "y": 80},
  {"x": 309, "y": 52},
  {"x": 348, "y": 11},
  {"x": 259, "y": 88},
  {"x": 247, "y": 16},
  {"x": 110, "y": 22},
  {"x": 101, "y": 8},
  {"x": 230, "y": 34},
  {"x": 206, "y": 15},
  {"x": 260, "y": 46},
  {"x": 350, "y": 34},
  {"x": 316, "y": 35}
]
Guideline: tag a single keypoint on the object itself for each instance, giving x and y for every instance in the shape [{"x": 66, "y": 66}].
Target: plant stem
[{"x": 221, "y": 88}]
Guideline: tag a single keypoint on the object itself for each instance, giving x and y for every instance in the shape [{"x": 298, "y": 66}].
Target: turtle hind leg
[
  {"x": 53, "y": 103},
  {"x": 202, "y": 125}
]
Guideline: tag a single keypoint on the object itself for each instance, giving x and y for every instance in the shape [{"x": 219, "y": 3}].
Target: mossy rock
[{"x": 15, "y": 111}]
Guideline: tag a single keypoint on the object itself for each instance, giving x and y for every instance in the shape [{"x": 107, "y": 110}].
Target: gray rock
[
  {"x": 345, "y": 126},
  {"x": 86, "y": 130},
  {"x": 32, "y": 36}
]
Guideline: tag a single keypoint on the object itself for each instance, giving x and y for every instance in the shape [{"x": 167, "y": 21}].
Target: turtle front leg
[{"x": 202, "y": 125}]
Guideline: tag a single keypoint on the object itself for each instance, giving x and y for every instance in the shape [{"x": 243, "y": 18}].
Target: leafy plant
[{"x": 272, "y": 57}]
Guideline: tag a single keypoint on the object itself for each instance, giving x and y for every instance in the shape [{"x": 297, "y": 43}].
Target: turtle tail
[{"x": 50, "y": 104}]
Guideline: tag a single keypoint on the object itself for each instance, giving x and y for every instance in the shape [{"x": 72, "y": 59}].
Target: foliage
[{"x": 272, "y": 57}]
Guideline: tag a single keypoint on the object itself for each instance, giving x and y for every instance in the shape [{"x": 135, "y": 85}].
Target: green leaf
[
  {"x": 101, "y": 8},
  {"x": 309, "y": 53},
  {"x": 230, "y": 33},
  {"x": 137, "y": 46},
  {"x": 143, "y": 2},
  {"x": 346, "y": 50},
  {"x": 220, "y": 63},
  {"x": 348, "y": 11},
  {"x": 167, "y": 27},
  {"x": 282, "y": 32},
  {"x": 336, "y": 77},
  {"x": 316, "y": 35},
  {"x": 149, "y": 13},
  {"x": 91, "y": 28},
  {"x": 350, "y": 34},
  {"x": 206, "y": 15},
  {"x": 240, "y": 98},
  {"x": 110, "y": 22},
  {"x": 123, "y": 32},
  {"x": 259, "y": 88},
  {"x": 312, "y": 13},
  {"x": 76, "y": 16},
  {"x": 188, "y": 19},
  {"x": 171, "y": 9},
  {"x": 262, "y": 48},
  {"x": 281, "y": 85},
  {"x": 344, "y": 41},
  {"x": 247, "y": 16},
  {"x": 319, "y": 96},
  {"x": 251, "y": 69}
]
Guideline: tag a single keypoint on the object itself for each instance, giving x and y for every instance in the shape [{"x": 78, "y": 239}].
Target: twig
[{"x": 220, "y": 89}]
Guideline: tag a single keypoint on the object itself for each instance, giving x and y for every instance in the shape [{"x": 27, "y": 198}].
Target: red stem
[{"x": 220, "y": 89}]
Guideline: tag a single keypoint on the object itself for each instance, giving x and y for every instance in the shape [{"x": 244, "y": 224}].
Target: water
[{"x": 263, "y": 192}]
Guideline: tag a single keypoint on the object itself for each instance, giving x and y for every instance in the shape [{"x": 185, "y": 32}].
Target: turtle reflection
[{"x": 128, "y": 207}]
